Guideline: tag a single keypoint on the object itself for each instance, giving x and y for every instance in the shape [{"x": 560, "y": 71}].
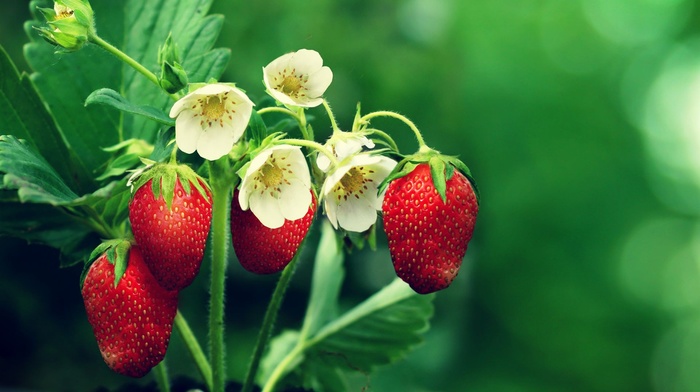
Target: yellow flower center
[
  {"x": 271, "y": 174},
  {"x": 213, "y": 108},
  {"x": 353, "y": 180},
  {"x": 290, "y": 85}
]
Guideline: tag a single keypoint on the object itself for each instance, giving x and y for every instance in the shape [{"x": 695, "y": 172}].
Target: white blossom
[
  {"x": 211, "y": 119},
  {"x": 350, "y": 192},
  {"x": 298, "y": 78},
  {"x": 276, "y": 185},
  {"x": 343, "y": 145}
]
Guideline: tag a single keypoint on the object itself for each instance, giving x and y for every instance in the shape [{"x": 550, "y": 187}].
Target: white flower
[
  {"x": 276, "y": 186},
  {"x": 350, "y": 192},
  {"x": 343, "y": 145},
  {"x": 298, "y": 78},
  {"x": 211, "y": 119}
]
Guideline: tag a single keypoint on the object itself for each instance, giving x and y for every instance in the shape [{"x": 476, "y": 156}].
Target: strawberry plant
[{"x": 169, "y": 168}]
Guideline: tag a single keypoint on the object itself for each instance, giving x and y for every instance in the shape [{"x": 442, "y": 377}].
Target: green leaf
[
  {"x": 109, "y": 97},
  {"x": 327, "y": 280},
  {"x": 30, "y": 174},
  {"x": 378, "y": 331},
  {"x": 46, "y": 225},
  {"x": 25, "y": 116}
]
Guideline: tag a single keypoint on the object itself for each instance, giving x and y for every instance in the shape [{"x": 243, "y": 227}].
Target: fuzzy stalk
[
  {"x": 194, "y": 348},
  {"x": 221, "y": 194},
  {"x": 269, "y": 321}
]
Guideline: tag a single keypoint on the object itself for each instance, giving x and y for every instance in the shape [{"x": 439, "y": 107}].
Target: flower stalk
[
  {"x": 422, "y": 147},
  {"x": 221, "y": 191},
  {"x": 269, "y": 322},
  {"x": 195, "y": 349}
]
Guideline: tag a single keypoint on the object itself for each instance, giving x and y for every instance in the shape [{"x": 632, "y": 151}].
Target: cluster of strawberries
[
  {"x": 131, "y": 291},
  {"x": 131, "y": 304}
]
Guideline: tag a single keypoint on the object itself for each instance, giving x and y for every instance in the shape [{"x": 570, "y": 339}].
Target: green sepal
[
  {"x": 442, "y": 168},
  {"x": 117, "y": 252},
  {"x": 403, "y": 168},
  {"x": 354, "y": 240},
  {"x": 437, "y": 172},
  {"x": 164, "y": 176},
  {"x": 459, "y": 165}
]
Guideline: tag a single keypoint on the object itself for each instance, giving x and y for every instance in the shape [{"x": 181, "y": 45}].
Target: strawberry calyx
[
  {"x": 117, "y": 252},
  {"x": 164, "y": 176},
  {"x": 442, "y": 168}
]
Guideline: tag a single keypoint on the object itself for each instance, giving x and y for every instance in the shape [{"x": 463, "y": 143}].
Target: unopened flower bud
[{"x": 69, "y": 24}]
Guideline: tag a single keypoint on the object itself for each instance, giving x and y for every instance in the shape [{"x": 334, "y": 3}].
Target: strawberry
[
  {"x": 131, "y": 316},
  {"x": 170, "y": 217},
  {"x": 262, "y": 250},
  {"x": 428, "y": 234}
]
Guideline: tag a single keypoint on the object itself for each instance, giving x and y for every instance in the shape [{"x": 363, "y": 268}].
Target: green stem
[
  {"x": 269, "y": 321},
  {"x": 278, "y": 109},
  {"x": 94, "y": 38},
  {"x": 313, "y": 145},
  {"x": 321, "y": 289},
  {"x": 161, "y": 374},
  {"x": 334, "y": 125},
  {"x": 385, "y": 113},
  {"x": 221, "y": 192},
  {"x": 194, "y": 348},
  {"x": 386, "y": 137}
]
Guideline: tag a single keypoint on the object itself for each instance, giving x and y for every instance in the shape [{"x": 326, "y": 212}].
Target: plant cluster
[{"x": 217, "y": 172}]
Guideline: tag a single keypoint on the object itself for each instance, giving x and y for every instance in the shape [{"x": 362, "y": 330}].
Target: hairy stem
[
  {"x": 334, "y": 125},
  {"x": 97, "y": 40},
  {"x": 194, "y": 348},
  {"x": 269, "y": 322},
  {"x": 315, "y": 146},
  {"x": 385, "y": 113},
  {"x": 221, "y": 193}
]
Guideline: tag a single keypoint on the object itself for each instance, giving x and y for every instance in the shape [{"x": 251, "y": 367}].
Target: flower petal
[
  {"x": 187, "y": 132},
  {"x": 331, "y": 208},
  {"x": 266, "y": 208},
  {"x": 319, "y": 81},
  {"x": 295, "y": 200},
  {"x": 306, "y": 61},
  {"x": 213, "y": 89},
  {"x": 356, "y": 214},
  {"x": 215, "y": 142}
]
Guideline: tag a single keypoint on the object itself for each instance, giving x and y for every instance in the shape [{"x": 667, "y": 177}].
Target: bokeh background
[{"x": 580, "y": 120}]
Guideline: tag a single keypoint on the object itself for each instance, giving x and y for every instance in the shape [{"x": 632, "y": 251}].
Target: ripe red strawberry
[
  {"x": 428, "y": 237},
  {"x": 132, "y": 321},
  {"x": 171, "y": 223},
  {"x": 262, "y": 250}
]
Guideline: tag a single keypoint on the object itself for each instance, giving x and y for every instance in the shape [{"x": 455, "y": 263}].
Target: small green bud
[
  {"x": 173, "y": 77},
  {"x": 69, "y": 24}
]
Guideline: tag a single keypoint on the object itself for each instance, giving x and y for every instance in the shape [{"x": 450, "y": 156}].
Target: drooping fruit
[
  {"x": 132, "y": 319},
  {"x": 428, "y": 237},
  {"x": 170, "y": 217},
  {"x": 262, "y": 250}
]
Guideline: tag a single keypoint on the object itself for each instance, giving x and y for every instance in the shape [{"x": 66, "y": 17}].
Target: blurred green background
[{"x": 580, "y": 120}]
